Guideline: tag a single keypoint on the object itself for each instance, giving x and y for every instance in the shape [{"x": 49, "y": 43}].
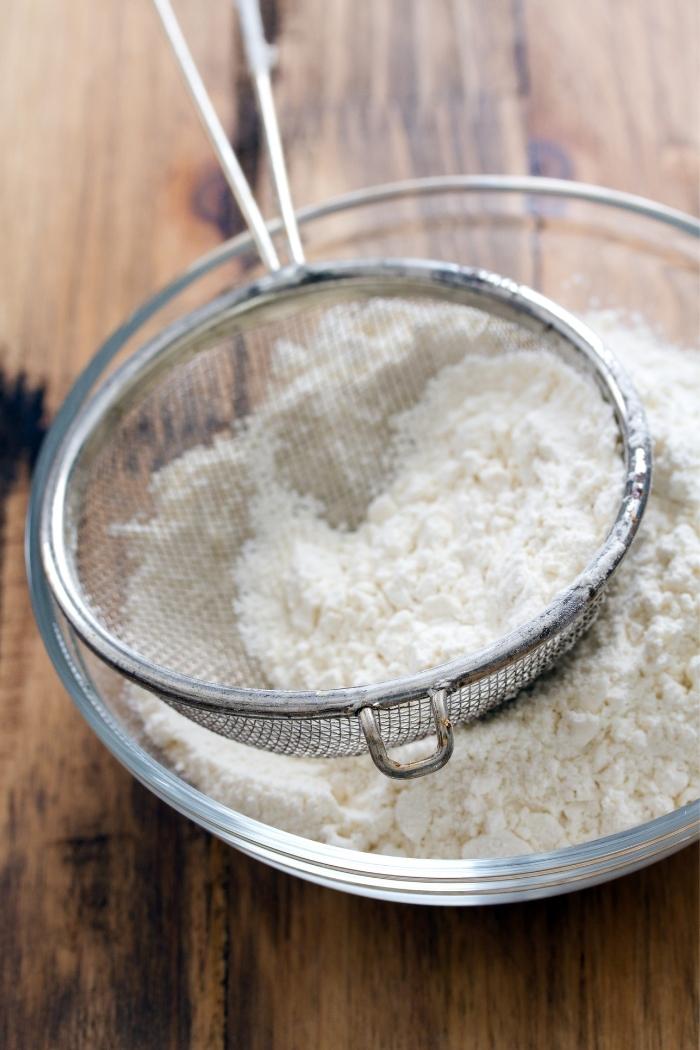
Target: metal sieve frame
[{"x": 367, "y": 702}]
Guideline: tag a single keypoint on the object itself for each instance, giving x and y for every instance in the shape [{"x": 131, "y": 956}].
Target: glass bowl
[{"x": 583, "y": 246}]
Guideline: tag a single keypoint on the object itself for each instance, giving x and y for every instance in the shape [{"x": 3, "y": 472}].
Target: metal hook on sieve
[{"x": 421, "y": 766}]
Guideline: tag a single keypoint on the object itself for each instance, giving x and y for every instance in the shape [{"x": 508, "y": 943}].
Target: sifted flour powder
[
  {"x": 607, "y": 741},
  {"x": 475, "y": 533}
]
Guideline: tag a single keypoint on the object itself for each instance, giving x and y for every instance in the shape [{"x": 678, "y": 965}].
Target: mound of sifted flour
[
  {"x": 608, "y": 740},
  {"x": 475, "y": 533}
]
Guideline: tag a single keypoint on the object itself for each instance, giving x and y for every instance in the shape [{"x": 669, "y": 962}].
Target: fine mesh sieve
[{"x": 215, "y": 375}]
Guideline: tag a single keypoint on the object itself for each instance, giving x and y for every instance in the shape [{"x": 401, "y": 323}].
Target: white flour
[
  {"x": 475, "y": 534},
  {"x": 610, "y": 740}
]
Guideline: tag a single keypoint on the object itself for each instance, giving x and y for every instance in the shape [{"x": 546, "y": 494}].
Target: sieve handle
[
  {"x": 228, "y": 160},
  {"x": 422, "y": 766},
  {"x": 260, "y": 57}
]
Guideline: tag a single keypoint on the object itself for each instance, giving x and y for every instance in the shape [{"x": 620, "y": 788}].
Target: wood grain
[{"x": 122, "y": 924}]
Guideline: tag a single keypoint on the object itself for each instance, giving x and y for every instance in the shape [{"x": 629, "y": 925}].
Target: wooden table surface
[{"x": 123, "y": 925}]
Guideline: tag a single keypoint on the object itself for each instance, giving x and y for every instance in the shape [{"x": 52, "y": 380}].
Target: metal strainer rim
[{"x": 349, "y": 700}]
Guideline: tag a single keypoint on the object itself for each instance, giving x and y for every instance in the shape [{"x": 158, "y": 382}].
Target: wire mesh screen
[{"x": 159, "y": 513}]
